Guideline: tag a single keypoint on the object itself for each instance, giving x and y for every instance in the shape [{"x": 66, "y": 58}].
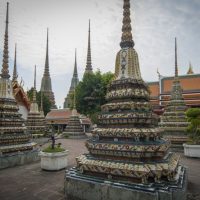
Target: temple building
[
  {"x": 88, "y": 68},
  {"x": 160, "y": 91},
  {"x": 15, "y": 145},
  {"x": 74, "y": 82},
  {"x": 173, "y": 120},
  {"x": 35, "y": 121},
  {"x": 46, "y": 87},
  {"x": 74, "y": 129},
  {"x": 127, "y": 157},
  {"x": 59, "y": 119},
  {"x": 18, "y": 91}
]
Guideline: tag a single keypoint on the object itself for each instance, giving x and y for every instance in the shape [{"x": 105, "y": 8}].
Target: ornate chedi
[
  {"x": 13, "y": 137},
  {"x": 74, "y": 82},
  {"x": 46, "y": 87},
  {"x": 88, "y": 68},
  {"x": 35, "y": 121},
  {"x": 127, "y": 157},
  {"x": 173, "y": 120},
  {"x": 74, "y": 128}
]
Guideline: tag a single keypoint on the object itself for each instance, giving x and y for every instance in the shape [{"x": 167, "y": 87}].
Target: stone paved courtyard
[{"x": 29, "y": 182}]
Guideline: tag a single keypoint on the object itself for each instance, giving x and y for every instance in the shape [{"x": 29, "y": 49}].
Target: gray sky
[{"x": 155, "y": 23}]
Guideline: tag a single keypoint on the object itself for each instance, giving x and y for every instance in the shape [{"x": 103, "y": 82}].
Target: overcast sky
[{"x": 155, "y": 23}]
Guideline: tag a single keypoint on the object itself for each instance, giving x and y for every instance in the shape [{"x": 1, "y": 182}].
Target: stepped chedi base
[
  {"x": 35, "y": 121},
  {"x": 127, "y": 157},
  {"x": 15, "y": 145},
  {"x": 173, "y": 120}
]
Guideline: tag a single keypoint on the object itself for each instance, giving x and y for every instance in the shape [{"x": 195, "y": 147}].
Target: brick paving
[{"x": 29, "y": 182}]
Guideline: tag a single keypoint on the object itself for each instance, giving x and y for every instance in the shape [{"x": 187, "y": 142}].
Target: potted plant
[
  {"x": 192, "y": 148},
  {"x": 53, "y": 157}
]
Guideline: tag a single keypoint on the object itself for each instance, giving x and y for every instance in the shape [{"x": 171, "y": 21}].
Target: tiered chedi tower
[
  {"x": 74, "y": 82},
  {"x": 126, "y": 147},
  {"x": 46, "y": 87},
  {"x": 13, "y": 136},
  {"x": 88, "y": 68},
  {"x": 74, "y": 128},
  {"x": 35, "y": 120},
  {"x": 173, "y": 120}
]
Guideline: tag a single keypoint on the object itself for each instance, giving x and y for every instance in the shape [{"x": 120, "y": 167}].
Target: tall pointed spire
[
  {"x": 46, "y": 86},
  {"x": 176, "y": 62},
  {"x": 5, "y": 65},
  {"x": 46, "y": 69},
  {"x": 126, "y": 39},
  {"x": 68, "y": 103},
  {"x": 74, "y": 111},
  {"x": 15, "y": 75},
  {"x": 75, "y": 66},
  {"x": 41, "y": 104},
  {"x": 34, "y": 88},
  {"x": 88, "y": 68},
  {"x": 127, "y": 61}
]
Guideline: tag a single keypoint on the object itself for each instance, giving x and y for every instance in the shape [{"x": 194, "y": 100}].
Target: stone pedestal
[
  {"x": 192, "y": 150},
  {"x": 53, "y": 161},
  {"x": 19, "y": 158},
  {"x": 84, "y": 187}
]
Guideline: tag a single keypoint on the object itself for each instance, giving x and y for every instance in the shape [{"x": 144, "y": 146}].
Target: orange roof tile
[{"x": 154, "y": 89}]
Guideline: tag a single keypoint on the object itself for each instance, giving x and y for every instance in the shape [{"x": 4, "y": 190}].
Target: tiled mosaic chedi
[{"x": 127, "y": 144}]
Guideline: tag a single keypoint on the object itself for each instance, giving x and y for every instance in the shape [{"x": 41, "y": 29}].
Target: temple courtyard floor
[{"x": 29, "y": 182}]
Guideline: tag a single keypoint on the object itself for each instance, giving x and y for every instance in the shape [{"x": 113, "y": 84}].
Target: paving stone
[{"x": 29, "y": 182}]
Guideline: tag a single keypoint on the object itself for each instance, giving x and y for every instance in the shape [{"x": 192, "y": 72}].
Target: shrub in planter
[
  {"x": 54, "y": 157},
  {"x": 192, "y": 148},
  {"x": 193, "y": 115}
]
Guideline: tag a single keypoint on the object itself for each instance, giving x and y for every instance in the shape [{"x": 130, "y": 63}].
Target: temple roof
[
  {"x": 62, "y": 116},
  {"x": 20, "y": 95}
]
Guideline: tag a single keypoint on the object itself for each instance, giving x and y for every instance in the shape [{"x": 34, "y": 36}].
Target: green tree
[
  {"x": 193, "y": 115},
  {"x": 90, "y": 93},
  {"x": 46, "y": 102}
]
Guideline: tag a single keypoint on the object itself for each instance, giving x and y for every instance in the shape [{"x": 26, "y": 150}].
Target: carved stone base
[
  {"x": 82, "y": 187},
  {"x": 19, "y": 158}
]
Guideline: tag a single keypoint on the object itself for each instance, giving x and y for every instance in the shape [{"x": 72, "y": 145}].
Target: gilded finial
[
  {"x": 176, "y": 63},
  {"x": 190, "y": 70},
  {"x": 5, "y": 65},
  {"x": 127, "y": 38},
  {"x": 88, "y": 68},
  {"x": 15, "y": 75}
]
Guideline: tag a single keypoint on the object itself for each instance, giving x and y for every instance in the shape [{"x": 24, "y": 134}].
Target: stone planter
[
  {"x": 53, "y": 161},
  {"x": 191, "y": 150}
]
